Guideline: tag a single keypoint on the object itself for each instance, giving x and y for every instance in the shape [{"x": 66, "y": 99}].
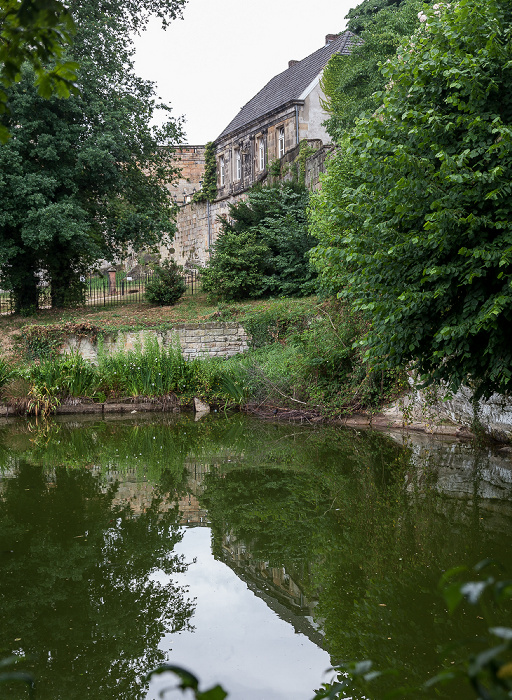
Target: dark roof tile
[{"x": 290, "y": 84}]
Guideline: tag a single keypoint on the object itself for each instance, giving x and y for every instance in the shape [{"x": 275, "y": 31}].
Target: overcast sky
[{"x": 208, "y": 65}]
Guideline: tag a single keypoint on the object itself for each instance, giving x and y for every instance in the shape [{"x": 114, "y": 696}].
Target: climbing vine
[
  {"x": 208, "y": 192},
  {"x": 305, "y": 152}
]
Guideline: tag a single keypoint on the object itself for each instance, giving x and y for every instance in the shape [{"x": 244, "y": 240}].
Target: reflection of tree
[
  {"x": 344, "y": 525},
  {"x": 77, "y": 587}
]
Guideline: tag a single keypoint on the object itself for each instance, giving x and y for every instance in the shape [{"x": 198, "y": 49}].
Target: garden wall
[{"x": 195, "y": 339}]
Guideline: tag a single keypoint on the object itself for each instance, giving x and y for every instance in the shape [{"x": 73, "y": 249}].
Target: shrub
[
  {"x": 166, "y": 285},
  {"x": 263, "y": 247}
]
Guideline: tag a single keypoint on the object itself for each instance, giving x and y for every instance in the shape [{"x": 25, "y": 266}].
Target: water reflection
[
  {"x": 341, "y": 534},
  {"x": 76, "y": 592}
]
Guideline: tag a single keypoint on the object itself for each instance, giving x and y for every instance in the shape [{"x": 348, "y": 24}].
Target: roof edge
[{"x": 249, "y": 125}]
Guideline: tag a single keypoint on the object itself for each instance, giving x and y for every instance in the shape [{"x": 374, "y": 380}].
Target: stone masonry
[{"x": 195, "y": 340}]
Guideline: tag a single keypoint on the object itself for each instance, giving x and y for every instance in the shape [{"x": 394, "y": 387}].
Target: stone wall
[
  {"x": 436, "y": 406},
  {"x": 194, "y": 237},
  {"x": 195, "y": 339},
  {"x": 190, "y": 160}
]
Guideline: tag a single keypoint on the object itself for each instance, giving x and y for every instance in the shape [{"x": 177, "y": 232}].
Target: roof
[{"x": 290, "y": 84}]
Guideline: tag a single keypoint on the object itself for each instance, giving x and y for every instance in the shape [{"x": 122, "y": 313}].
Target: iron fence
[{"x": 106, "y": 290}]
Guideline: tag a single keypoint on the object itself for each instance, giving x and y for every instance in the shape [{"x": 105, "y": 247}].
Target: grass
[
  {"x": 306, "y": 355},
  {"x": 139, "y": 316}
]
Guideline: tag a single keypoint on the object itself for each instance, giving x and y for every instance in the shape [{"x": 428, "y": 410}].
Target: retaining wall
[
  {"x": 195, "y": 340},
  {"x": 436, "y": 406}
]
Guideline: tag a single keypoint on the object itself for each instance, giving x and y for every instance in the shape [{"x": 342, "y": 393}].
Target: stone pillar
[{"x": 111, "y": 281}]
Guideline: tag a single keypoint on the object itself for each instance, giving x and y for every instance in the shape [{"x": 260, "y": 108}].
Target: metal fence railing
[{"x": 105, "y": 290}]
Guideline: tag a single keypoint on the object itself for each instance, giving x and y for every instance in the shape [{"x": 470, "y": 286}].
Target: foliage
[
  {"x": 41, "y": 342},
  {"x": 84, "y": 178},
  {"x": 263, "y": 247},
  {"x": 306, "y": 150},
  {"x": 6, "y": 372},
  {"x": 146, "y": 371},
  {"x": 8, "y": 676},
  {"x": 82, "y": 561},
  {"x": 208, "y": 191},
  {"x": 421, "y": 240},
  {"x": 489, "y": 671},
  {"x": 166, "y": 285},
  {"x": 189, "y": 682},
  {"x": 275, "y": 323},
  {"x": 349, "y": 82},
  {"x": 363, "y": 14},
  {"x": 313, "y": 361},
  {"x": 37, "y": 32}
]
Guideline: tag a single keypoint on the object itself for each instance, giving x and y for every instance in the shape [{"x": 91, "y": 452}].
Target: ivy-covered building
[{"x": 280, "y": 129}]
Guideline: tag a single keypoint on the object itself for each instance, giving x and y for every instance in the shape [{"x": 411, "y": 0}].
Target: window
[
  {"x": 238, "y": 164},
  {"x": 261, "y": 154},
  {"x": 281, "y": 141},
  {"x": 222, "y": 170}
]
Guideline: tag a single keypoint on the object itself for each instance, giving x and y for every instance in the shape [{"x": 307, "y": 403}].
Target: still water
[{"x": 254, "y": 554}]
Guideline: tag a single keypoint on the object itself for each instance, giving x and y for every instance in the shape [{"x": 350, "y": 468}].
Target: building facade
[{"x": 263, "y": 138}]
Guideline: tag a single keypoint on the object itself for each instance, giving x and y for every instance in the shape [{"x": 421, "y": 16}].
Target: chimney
[
  {"x": 292, "y": 63},
  {"x": 330, "y": 37}
]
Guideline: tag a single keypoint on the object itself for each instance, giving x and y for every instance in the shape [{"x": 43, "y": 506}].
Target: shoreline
[{"x": 377, "y": 421}]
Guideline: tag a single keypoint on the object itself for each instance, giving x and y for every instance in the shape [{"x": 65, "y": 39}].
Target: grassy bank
[{"x": 304, "y": 356}]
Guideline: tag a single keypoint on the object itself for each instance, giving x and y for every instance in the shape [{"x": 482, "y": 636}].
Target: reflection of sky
[{"x": 238, "y": 641}]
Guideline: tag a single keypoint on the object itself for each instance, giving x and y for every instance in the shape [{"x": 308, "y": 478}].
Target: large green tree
[
  {"x": 83, "y": 179},
  {"x": 421, "y": 239},
  {"x": 349, "y": 82}
]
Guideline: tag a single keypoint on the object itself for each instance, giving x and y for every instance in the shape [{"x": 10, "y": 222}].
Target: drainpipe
[
  {"x": 297, "y": 124},
  {"x": 209, "y": 227}
]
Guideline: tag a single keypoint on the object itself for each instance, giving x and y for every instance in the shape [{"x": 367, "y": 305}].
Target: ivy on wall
[{"x": 208, "y": 192}]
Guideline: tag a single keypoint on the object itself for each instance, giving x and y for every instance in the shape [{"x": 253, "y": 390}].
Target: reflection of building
[{"x": 281, "y": 591}]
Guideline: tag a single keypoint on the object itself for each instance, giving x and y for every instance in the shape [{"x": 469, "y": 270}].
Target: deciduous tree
[
  {"x": 83, "y": 179},
  {"x": 421, "y": 239}
]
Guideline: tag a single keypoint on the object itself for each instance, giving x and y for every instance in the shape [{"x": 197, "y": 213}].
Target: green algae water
[{"x": 254, "y": 554}]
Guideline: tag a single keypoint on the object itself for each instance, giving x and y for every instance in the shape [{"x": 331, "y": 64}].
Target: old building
[
  {"x": 273, "y": 123},
  {"x": 267, "y": 132}
]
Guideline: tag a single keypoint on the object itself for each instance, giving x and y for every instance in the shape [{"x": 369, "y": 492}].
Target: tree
[
  {"x": 84, "y": 179},
  {"x": 263, "y": 247},
  {"x": 35, "y": 31},
  {"x": 421, "y": 240},
  {"x": 349, "y": 82}
]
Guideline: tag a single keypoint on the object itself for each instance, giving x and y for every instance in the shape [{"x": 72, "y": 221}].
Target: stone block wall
[
  {"x": 195, "y": 340},
  {"x": 193, "y": 240},
  {"x": 436, "y": 406}
]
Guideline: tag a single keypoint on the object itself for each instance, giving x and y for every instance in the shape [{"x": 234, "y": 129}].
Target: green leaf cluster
[
  {"x": 349, "y": 82},
  {"x": 35, "y": 32},
  {"x": 208, "y": 191},
  {"x": 418, "y": 233},
  {"x": 166, "y": 285},
  {"x": 83, "y": 179},
  {"x": 263, "y": 247}
]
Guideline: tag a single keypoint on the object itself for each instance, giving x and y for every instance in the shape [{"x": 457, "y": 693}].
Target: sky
[{"x": 214, "y": 60}]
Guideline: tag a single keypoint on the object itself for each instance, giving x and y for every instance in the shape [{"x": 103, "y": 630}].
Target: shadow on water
[{"x": 344, "y": 534}]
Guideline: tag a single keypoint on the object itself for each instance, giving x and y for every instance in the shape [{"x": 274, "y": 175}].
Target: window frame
[
  {"x": 261, "y": 153},
  {"x": 281, "y": 142},
  {"x": 222, "y": 171},
  {"x": 238, "y": 164}
]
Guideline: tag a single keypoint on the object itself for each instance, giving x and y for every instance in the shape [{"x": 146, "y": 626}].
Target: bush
[
  {"x": 166, "y": 285},
  {"x": 263, "y": 247}
]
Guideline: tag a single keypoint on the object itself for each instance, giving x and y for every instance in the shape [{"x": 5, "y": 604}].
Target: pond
[{"x": 254, "y": 554}]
